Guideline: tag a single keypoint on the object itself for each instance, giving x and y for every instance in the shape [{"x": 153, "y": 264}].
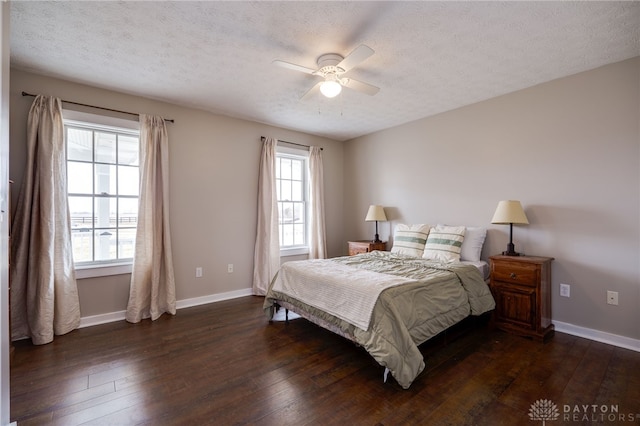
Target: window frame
[
  {"x": 109, "y": 124},
  {"x": 298, "y": 154}
]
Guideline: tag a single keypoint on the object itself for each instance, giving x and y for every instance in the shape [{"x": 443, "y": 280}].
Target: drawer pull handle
[{"x": 513, "y": 275}]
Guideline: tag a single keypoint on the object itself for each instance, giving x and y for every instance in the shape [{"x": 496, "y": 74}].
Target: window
[
  {"x": 292, "y": 176},
  {"x": 102, "y": 187}
]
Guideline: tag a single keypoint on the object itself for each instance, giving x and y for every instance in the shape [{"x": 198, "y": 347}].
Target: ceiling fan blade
[
  {"x": 358, "y": 55},
  {"x": 360, "y": 86},
  {"x": 312, "y": 92},
  {"x": 294, "y": 67}
]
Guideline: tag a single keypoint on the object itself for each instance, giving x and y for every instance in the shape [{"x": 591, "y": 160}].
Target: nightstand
[
  {"x": 521, "y": 286},
  {"x": 365, "y": 246}
]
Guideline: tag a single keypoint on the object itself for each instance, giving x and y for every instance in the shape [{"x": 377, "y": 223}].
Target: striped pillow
[
  {"x": 444, "y": 243},
  {"x": 410, "y": 239}
]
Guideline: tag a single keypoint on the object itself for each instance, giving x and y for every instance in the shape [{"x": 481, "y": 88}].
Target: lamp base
[
  {"x": 510, "y": 251},
  {"x": 377, "y": 239}
]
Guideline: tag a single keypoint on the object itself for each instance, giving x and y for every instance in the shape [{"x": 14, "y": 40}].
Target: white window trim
[
  {"x": 297, "y": 152},
  {"x": 294, "y": 251},
  {"x": 72, "y": 117},
  {"x": 92, "y": 271},
  {"x": 100, "y": 120}
]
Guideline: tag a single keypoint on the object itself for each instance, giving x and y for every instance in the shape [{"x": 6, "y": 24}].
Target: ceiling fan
[{"x": 331, "y": 67}]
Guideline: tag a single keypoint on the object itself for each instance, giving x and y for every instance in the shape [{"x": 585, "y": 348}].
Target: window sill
[
  {"x": 298, "y": 251},
  {"x": 103, "y": 270}
]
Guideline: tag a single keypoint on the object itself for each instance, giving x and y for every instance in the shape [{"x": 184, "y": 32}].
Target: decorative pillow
[
  {"x": 410, "y": 239},
  {"x": 473, "y": 242},
  {"x": 444, "y": 243}
]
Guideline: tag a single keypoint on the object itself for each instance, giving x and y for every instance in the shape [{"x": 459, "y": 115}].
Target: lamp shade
[
  {"x": 375, "y": 213},
  {"x": 509, "y": 211}
]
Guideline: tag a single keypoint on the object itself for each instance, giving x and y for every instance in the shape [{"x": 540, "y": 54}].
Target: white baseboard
[
  {"x": 180, "y": 304},
  {"x": 203, "y": 300},
  {"x": 101, "y": 319},
  {"x": 598, "y": 336}
]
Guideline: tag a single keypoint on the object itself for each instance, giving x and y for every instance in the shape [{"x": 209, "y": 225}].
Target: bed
[{"x": 387, "y": 302}]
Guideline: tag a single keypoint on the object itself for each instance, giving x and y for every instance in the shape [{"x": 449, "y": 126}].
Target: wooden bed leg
[{"x": 286, "y": 316}]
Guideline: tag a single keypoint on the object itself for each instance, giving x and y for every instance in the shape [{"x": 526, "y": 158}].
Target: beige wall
[
  {"x": 213, "y": 183},
  {"x": 568, "y": 149}
]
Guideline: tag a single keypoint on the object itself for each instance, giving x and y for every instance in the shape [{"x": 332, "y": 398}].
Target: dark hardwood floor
[{"x": 224, "y": 363}]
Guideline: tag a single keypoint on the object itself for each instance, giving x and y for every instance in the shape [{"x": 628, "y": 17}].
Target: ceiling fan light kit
[
  {"x": 330, "y": 88},
  {"x": 331, "y": 66}
]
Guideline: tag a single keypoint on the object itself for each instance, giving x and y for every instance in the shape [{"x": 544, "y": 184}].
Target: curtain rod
[
  {"x": 98, "y": 107},
  {"x": 262, "y": 138}
]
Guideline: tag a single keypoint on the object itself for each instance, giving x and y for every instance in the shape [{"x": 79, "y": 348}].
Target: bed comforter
[{"x": 422, "y": 299}]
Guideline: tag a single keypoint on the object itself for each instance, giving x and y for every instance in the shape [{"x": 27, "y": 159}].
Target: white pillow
[
  {"x": 473, "y": 242},
  {"x": 444, "y": 243},
  {"x": 410, "y": 239}
]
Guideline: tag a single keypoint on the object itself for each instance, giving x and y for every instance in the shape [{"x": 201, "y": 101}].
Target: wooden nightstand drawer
[
  {"x": 357, "y": 247},
  {"x": 516, "y": 273}
]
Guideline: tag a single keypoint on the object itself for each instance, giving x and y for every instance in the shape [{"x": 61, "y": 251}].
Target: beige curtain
[
  {"x": 44, "y": 293},
  {"x": 266, "y": 258},
  {"x": 317, "y": 240},
  {"x": 152, "y": 290}
]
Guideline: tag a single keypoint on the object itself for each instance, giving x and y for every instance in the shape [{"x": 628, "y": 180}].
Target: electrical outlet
[
  {"x": 230, "y": 268},
  {"x": 612, "y": 297},
  {"x": 565, "y": 290},
  {"x": 198, "y": 272}
]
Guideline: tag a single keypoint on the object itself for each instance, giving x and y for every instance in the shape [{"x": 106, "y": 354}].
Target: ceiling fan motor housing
[{"x": 327, "y": 64}]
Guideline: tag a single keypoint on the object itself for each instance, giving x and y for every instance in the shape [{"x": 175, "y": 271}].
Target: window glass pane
[
  {"x": 287, "y": 235},
  {"x": 296, "y": 170},
  {"x": 126, "y": 243},
  {"x": 79, "y": 144},
  {"x": 298, "y": 213},
  {"x": 298, "y": 234},
  {"x": 287, "y": 213},
  {"x": 81, "y": 212},
  {"x": 285, "y": 190},
  {"x": 128, "y": 212},
  {"x": 105, "y": 179},
  {"x": 105, "y": 147},
  {"x": 128, "y": 148},
  {"x": 79, "y": 177},
  {"x": 81, "y": 241},
  {"x": 105, "y": 211},
  {"x": 105, "y": 244},
  {"x": 296, "y": 191},
  {"x": 128, "y": 180},
  {"x": 285, "y": 168}
]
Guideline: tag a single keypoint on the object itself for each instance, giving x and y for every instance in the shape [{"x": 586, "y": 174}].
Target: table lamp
[
  {"x": 510, "y": 212},
  {"x": 376, "y": 213}
]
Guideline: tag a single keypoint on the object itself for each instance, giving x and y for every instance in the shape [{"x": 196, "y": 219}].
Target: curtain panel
[
  {"x": 266, "y": 258},
  {"x": 317, "y": 240},
  {"x": 152, "y": 289},
  {"x": 44, "y": 293}
]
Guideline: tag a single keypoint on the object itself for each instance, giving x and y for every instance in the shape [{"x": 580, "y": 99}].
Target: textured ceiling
[{"x": 429, "y": 57}]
